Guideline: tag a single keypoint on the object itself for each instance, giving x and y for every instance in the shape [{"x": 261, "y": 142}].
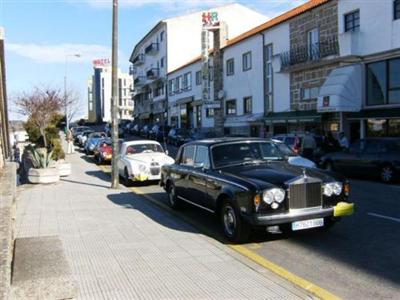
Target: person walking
[
  {"x": 330, "y": 143},
  {"x": 308, "y": 146},
  {"x": 343, "y": 141},
  {"x": 70, "y": 144}
]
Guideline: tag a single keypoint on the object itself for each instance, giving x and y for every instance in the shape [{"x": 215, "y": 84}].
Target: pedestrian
[
  {"x": 330, "y": 144},
  {"x": 344, "y": 143},
  {"x": 70, "y": 144},
  {"x": 308, "y": 146}
]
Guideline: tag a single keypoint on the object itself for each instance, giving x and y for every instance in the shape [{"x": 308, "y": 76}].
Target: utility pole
[{"x": 114, "y": 98}]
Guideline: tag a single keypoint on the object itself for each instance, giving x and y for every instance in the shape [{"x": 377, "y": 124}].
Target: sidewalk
[{"x": 120, "y": 246}]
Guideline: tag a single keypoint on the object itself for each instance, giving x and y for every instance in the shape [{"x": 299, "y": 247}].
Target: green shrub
[
  {"x": 58, "y": 152},
  {"x": 40, "y": 160}
]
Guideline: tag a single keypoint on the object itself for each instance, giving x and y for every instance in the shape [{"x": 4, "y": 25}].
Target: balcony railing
[
  {"x": 153, "y": 73},
  {"x": 151, "y": 49},
  {"x": 138, "y": 60},
  {"x": 315, "y": 52},
  {"x": 132, "y": 70},
  {"x": 139, "y": 81}
]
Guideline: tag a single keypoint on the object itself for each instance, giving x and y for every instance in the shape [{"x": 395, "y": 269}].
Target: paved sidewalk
[{"x": 120, "y": 246}]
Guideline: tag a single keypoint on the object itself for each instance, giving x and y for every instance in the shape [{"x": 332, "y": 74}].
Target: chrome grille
[{"x": 303, "y": 195}]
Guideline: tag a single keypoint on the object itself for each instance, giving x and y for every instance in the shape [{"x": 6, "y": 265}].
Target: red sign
[{"x": 101, "y": 62}]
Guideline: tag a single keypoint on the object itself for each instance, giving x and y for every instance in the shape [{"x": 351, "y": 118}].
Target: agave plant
[{"x": 41, "y": 160}]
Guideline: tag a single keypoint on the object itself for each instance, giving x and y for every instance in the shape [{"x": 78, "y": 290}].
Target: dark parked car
[
  {"x": 145, "y": 132},
  {"x": 374, "y": 157},
  {"x": 178, "y": 136},
  {"x": 159, "y": 132},
  {"x": 136, "y": 129},
  {"x": 202, "y": 135},
  {"x": 248, "y": 182}
]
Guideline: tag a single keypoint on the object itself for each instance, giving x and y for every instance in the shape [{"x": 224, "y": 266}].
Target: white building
[
  {"x": 169, "y": 45},
  {"x": 99, "y": 94}
]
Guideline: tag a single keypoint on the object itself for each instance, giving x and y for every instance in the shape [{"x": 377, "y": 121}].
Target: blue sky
[{"x": 40, "y": 33}]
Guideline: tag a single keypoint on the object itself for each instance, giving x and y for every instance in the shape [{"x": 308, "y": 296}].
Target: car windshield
[
  {"x": 246, "y": 153},
  {"x": 143, "y": 148}
]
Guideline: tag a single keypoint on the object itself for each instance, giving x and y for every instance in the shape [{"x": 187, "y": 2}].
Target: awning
[
  {"x": 185, "y": 100},
  {"x": 381, "y": 113},
  {"x": 341, "y": 91},
  {"x": 300, "y": 116},
  {"x": 238, "y": 121}
]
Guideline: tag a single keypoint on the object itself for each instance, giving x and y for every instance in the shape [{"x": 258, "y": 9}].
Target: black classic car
[
  {"x": 372, "y": 157},
  {"x": 248, "y": 183}
]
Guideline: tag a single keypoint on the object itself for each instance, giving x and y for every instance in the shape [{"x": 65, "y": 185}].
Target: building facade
[
  {"x": 99, "y": 95},
  {"x": 169, "y": 45}
]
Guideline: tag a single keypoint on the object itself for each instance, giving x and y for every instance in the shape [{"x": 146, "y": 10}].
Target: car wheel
[
  {"x": 329, "y": 166},
  {"x": 173, "y": 200},
  {"x": 235, "y": 228},
  {"x": 387, "y": 174}
]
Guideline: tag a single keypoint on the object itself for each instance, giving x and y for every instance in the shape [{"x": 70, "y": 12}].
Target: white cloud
[{"x": 46, "y": 53}]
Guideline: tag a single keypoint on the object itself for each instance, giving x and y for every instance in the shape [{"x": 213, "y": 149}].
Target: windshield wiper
[{"x": 253, "y": 162}]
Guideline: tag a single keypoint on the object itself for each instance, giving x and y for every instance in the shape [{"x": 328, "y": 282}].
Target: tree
[
  {"x": 41, "y": 106},
  {"x": 71, "y": 99}
]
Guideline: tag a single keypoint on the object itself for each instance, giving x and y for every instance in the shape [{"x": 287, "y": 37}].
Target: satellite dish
[{"x": 221, "y": 94}]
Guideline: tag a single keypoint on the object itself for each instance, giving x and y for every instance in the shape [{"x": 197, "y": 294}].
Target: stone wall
[
  {"x": 7, "y": 220},
  {"x": 313, "y": 73}
]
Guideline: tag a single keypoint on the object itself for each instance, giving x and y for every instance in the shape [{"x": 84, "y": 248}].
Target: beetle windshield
[
  {"x": 246, "y": 153},
  {"x": 143, "y": 148}
]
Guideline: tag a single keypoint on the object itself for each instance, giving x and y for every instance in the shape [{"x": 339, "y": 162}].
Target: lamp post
[{"x": 65, "y": 89}]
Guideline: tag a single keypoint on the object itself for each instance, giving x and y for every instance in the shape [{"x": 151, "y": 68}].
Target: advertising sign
[
  {"x": 210, "y": 19},
  {"x": 102, "y": 62}
]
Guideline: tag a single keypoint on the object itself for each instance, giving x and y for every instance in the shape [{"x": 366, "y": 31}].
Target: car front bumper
[{"x": 341, "y": 209}]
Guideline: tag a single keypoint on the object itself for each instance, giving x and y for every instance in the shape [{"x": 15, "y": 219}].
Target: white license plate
[{"x": 300, "y": 225}]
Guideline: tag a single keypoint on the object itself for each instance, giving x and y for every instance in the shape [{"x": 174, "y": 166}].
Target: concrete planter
[
  {"x": 47, "y": 175},
  {"x": 64, "y": 168}
]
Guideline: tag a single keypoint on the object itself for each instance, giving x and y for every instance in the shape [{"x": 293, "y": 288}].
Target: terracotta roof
[{"x": 271, "y": 23}]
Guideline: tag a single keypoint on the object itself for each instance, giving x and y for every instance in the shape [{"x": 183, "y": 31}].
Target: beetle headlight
[
  {"x": 273, "y": 195},
  {"x": 333, "y": 188},
  {"x": 142, "y": 168}
]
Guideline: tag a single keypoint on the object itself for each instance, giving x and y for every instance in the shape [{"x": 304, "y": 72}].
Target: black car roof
[{"x": 223, "y": 140}]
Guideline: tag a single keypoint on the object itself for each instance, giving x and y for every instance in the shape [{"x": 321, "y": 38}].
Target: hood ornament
[{"x": 304, "y": 173}]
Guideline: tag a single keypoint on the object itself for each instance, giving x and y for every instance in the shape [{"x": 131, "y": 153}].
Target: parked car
[
  {"x": 92, "y": 140},
  {"x": 103, "y": 150},
  {"x": 145, "y": 132},
  {"x": 373, "y": 157},
  {"x": 248, "y": 183},
  {"x": 129, "y": 127},
  {"x": 107, "y": 130},
  {"x": 142, "y": 160},
  {"x": 77, "y": 131},
  {"x": 202, "y": 135},
  {"x": 159, "y": 132},
  {"x": 178, "y": 136},
  {"x": 82, "y": 137}
]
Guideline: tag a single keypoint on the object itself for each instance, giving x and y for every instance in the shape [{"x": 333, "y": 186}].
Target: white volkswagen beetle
[{"x": 142, "y": 160}]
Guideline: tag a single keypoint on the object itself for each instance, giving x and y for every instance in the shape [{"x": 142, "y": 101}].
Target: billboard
[
  {"x": 210, "y": 19},
  {"x": 102, "y": 62}
]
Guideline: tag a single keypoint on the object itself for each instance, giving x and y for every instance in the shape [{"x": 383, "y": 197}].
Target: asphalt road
[{"x": 356, "y": 259}]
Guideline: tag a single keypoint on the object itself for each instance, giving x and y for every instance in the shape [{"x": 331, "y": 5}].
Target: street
[{"x": 356, "y": 259}]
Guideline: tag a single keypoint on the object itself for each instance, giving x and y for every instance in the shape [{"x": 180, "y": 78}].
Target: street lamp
[{"x": 65, "y": 88}]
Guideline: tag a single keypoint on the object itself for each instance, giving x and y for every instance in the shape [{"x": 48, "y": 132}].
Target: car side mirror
[{"x": 199, "y": 166}]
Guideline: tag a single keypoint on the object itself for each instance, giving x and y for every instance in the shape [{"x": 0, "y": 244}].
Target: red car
[{"x": 103, "y": 152}]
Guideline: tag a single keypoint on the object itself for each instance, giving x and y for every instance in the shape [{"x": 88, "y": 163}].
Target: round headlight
[
  {"x": 337, "y": 188},
  {"x": 268, "y": 197},
  {"x": 328, "y": 190},
  {"x": 142, "y": 168},
  {"x": 279, "y": 195}
]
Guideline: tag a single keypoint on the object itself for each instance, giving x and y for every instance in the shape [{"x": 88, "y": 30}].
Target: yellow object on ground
[
  {"x": 343, "y": 209},
  {"x": 141, "y": 177}
]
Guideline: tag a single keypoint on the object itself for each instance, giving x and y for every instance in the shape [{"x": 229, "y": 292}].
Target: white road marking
[{"x": 384, "y": 217}]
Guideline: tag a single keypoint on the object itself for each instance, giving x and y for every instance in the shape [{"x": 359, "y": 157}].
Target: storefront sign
[
  {"x": 212, "y": 104},
  {"x": 210, "y": 19},
  {"x": 102, "y": 62}
]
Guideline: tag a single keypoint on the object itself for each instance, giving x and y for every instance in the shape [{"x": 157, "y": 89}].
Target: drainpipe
[{"x": 263, "y": 80}]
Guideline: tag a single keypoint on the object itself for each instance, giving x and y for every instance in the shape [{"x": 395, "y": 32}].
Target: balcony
[
  {"x": 305, "y": 54},
  {"x": 138, "y": 60},
  {"x": 151, "y": 49},
  {"x": 140, "y": 81},
  {"x": 132, "y": 70},
  {"x": 153, "y": 73}
]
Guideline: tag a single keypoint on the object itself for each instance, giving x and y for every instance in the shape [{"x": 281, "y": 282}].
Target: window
[
  {"x": 230, "y": 107},
  {"x": 352, "y": 21},
  {"x": 162, "y": 34},
  {"x": 383, "y": 82},
  {"x": 198, "y": 78},
  {"x": 188, "y": 156},
  {"x": 246, "y": 61},
  {"x": 230, "y": 67},
  {"x": 171, "y": 86},
  {"x": 198, "y": 116},
  {"x": 184, "y": 116},
  {"x": 201, "y": 158},
  {"x": 396, "y": 9},
  {"x": 211, "y": 72},
  {"x": 187, "y": 81},
  {"x": 309, "y": 94},
  {"x": 209, "y": 112},
  {"x": 268, "y": 78},
  {"x": 247, "y": 105},
  {"x": 313, "y": 43},
  {"x": 178, "y": 84},
  {"x": 162, "y": 62}
]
